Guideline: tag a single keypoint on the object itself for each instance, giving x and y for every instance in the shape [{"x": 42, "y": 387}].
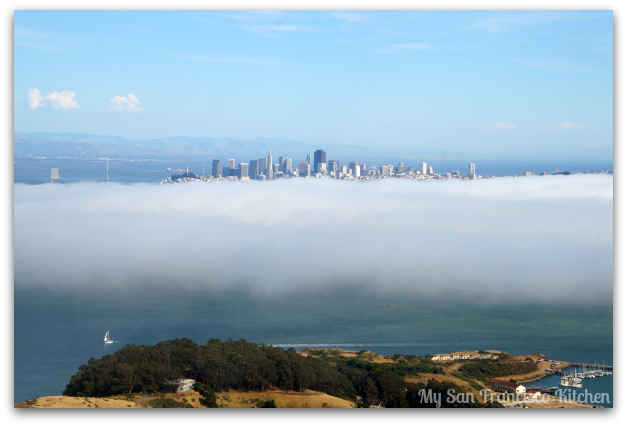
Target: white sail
[{"x": 106, "y": 336}]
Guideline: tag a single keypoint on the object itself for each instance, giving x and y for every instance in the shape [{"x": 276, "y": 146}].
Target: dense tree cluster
[{"x": 240, "y": 365}]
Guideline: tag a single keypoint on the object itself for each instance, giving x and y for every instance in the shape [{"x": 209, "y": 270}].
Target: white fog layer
[{"x": 535, "y": 237}]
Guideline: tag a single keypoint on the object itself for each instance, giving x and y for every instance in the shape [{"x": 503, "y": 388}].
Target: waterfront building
[
  {"x": 216, "y": 168},
  {"x": 507, "y": 386},
  {"x": 231, "y": 163},
  {"x": 253, "y": 169},
  {"x": 423, "y": 168},
  {"x": 269, "y": 165}
]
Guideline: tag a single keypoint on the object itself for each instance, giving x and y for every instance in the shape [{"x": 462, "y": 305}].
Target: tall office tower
[
  {"x": 334, "y": 166},
  {"x": 309, "y": 159},
  {"x": 243, "y": 170},
  {"x": 430, "y": 170},
  {"x": 288, "y": 165},
  {"x": 344, "y": 170},
  {"x": 385, "y": 170},
  {"x": 263, "y": 165},
  {"x": 253, "y": 169},
  {"x": 270, "y": 172},
  {"x": 216, "y": 168},
  {"x": 281, "y": 164},
  {"x": 423, "y": 168},
  {"x": 226, "y": 171},
  {"x": 355, "y": 168},
  {"x": 304, "y": 169},
  {"x": 231, "y": 163},
  {"x": 320, "y": 157},
  {"x": 400, "y": 169},
  {"x": 471, "y": 168}
]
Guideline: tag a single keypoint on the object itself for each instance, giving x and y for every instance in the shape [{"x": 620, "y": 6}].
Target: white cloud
[
  {"x": 500, "y": 126},
  {"x": 395, "y": 48},
  {"x": 124, "y": 104},
  {"x": 63, "y": 100},
  {"x": 569, "y": 125},
  {"x": 34, "y": 98}
]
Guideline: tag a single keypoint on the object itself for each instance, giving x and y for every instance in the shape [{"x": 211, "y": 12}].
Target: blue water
[
  {"x": 594, "y": 386},
  {"x": 129, "y": 171},
  {"x": 58, "y": 330}
]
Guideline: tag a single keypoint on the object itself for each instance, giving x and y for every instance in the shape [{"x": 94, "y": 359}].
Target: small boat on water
[
  {"x": 389, "y": 306},
  {"x": 106, "y": 338}
]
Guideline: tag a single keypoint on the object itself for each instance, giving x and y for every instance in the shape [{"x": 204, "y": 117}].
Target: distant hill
[{"x": 185, "y": 147}]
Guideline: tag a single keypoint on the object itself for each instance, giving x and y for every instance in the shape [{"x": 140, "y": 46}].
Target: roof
[{"x": 504, "y": 383}]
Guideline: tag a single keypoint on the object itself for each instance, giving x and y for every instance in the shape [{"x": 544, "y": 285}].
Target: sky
[
  {"x": 504, "y": 84},
  {"x": 541, "y": 239}
]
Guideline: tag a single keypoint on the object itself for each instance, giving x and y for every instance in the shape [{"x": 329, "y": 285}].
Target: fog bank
[{"x": 543, "y": 238}]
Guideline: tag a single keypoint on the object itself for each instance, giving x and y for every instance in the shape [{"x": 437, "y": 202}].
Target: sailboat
[{"x": 106, "y": 339}]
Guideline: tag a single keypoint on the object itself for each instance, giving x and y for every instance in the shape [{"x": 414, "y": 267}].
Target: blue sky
[{"x": 493, "y": 84}]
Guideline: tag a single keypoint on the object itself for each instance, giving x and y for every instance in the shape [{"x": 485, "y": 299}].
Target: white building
[{"x": 423, "y": 168}]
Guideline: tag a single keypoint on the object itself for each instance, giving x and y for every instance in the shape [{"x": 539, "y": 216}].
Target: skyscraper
[
  {"x": 288, "y": 165},
  {"x": 303, "y": 169},
  {"x": 270, "y": 172},
  {"x": 243, "y": 170},
  {"x": 253, "y": 169},
  {"x": 216, "y": 168},
  {"x": 334, "y": 166},
  {"x": 281, "y": 164},
  {"x": 320, "y": 157},
  {"x": 355, "y": 168},
  {"x": 226, "y": 171},
  {"x": 423, "y": 168},
  {"x": 430, "y": 170},
  {"x": 309, "y": 159},
  {"x": 263, "y": 165},
  {"x": 231, "y": 163},
  {"x": 471, "y": 168}
]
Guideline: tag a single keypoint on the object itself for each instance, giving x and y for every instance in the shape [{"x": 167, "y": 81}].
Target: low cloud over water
[{"x": 538, "y": 238}]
